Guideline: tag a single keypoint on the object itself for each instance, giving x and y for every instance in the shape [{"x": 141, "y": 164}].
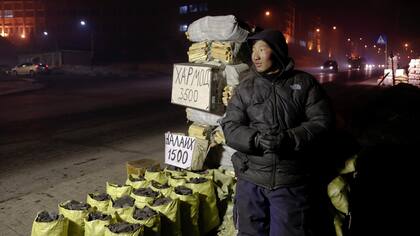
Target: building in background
[
  {"x": 22, "y": 20},
  {"x": 148, "y": 31}
]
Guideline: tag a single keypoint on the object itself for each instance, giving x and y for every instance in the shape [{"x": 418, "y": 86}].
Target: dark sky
[{"x": 399, "y": 20}]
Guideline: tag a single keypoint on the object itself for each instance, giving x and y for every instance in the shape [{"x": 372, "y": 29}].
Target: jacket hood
[{"x": 277, "y": 42}]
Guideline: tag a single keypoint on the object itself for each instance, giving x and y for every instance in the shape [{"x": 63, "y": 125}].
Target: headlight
[{"x": 321, "y": 67}]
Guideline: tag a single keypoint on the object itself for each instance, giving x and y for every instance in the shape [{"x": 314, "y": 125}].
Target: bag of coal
[{"x": 49, "y": 224}]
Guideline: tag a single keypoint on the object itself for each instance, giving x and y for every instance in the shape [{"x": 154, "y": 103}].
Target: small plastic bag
[
  {"x": 75, "y": 212},
  {"x": 117, "y": 191},
  {"x": 49, "y": 224}
]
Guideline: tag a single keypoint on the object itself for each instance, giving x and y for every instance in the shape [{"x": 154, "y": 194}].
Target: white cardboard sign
[
  {"x": 179, "y": 150},
  {"x": 191, "y": 86}
]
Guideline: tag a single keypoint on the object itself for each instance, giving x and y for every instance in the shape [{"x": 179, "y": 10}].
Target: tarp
[{"x": 216, "y": 28}]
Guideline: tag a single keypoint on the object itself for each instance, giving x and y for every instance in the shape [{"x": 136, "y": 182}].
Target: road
[{"x": 68, "y": 139}]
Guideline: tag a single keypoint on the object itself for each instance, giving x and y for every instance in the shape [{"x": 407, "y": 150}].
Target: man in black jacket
[{"x": 274, "y": 118}]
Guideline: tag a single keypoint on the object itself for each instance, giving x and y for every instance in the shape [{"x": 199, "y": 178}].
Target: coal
[
  {"x": 134, "y": 179},
  {"x": 98, "y": 216},
  {"x": 144, "y": 214},
  {"x": 159, "y": 185},
  {"x": 76, "y": 206},
  {"x": 154, "y": 169},
  {"x": 146, "y": 192},
  {"x": 45, "y": 216},
  {"x": 124, "y": 202},
  {"x": 100, "y": 197},
  {"x": 162, "y": 201},
  {"x": 182, "y": 190},
  {"x": 123, "y": 227},
  {"x": 173, "y": 168},
  {"x": 201, "y": 172},
  {"x": 199, "y": 180}
]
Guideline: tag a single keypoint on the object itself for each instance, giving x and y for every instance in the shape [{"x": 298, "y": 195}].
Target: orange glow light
[
  {"x": 334, "y": 27},
  {"x": 23, "y": 36},
  {"x": 267, "y": 13},
  {"x": 317, "y": 30}
]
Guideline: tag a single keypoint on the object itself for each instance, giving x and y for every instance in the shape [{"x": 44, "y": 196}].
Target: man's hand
[{"x": 268, "y": 142}]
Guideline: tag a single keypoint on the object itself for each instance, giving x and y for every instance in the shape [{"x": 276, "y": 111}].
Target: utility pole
[
  {"x": 92, "y": 47},
  {"x": 392, "y": 68}
]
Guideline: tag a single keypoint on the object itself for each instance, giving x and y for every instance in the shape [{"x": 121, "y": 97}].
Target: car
[
  {"x": 30, "y": 69},
  {"x": 356, "y": 63},
  {"x": 330, "y": 66},
  {"x": 4, "y": 69}
]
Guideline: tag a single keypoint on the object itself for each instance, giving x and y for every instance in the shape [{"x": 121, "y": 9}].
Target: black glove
[{"x": 268, "y": 142}]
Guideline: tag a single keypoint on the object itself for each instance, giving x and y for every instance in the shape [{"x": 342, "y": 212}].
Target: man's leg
[
  {"x": 251, "y": 211},
  {"x": 290, "y": 211}
]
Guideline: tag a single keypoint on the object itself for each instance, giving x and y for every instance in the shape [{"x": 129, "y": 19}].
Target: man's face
[{"x": 261, "y": 56}]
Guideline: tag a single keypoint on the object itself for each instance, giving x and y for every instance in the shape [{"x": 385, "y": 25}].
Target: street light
[
  {"x": 267, "y": 13},
  {"x": 317, "y": 30},
  {"x": 83, "y": 23},
  {"x": 45, "y": 33},
  {"x": 334, "y": 27}
]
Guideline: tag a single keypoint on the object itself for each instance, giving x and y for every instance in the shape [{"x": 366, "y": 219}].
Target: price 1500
[{"x": 178, "y": 155}]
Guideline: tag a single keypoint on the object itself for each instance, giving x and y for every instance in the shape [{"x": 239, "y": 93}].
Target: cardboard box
[{"x": 139, "y": 167}]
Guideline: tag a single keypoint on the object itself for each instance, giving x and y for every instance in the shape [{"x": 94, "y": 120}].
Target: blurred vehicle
[
  {"x": 330, "y": 66},
  {"x": 4, "y": 69},
  {"x": 30, "y": 69},
  {"x": 356, "y": 63}
]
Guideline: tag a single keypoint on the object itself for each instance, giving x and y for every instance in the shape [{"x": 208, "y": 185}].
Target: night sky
[{"x": 398, "y": 19}]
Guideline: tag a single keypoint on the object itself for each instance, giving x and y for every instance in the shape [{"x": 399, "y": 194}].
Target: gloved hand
[{"x": 268, "y": 142}]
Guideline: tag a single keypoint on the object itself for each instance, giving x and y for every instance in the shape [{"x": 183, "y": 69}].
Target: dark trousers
[{"x": 281, "y": 212}]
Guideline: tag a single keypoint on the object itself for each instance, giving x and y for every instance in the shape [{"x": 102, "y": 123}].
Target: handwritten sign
[
  {"x": 179, "y": 150},
  {"x": 191, "y": 85}
]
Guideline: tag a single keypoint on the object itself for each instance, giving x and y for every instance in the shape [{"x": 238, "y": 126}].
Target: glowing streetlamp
[
  {"x": 267, "y": 13},
  {"x": 45, "y": 33},
  {"x": 83, "y": 23},
  {"x": 348, "y": 39},
  {"x": 317, "y": 30},
  {"x": 334, "y": 27}
]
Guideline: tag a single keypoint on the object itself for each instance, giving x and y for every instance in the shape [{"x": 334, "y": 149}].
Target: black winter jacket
[{"x": 294, "y": 105}]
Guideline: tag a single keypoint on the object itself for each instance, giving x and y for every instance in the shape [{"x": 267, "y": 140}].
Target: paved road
[{"x": 68, "y": 139}]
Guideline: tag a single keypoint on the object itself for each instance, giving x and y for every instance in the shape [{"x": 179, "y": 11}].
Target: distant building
[
  {"x": 272, "y": 14},
  {"x": 21, "y": 20}
]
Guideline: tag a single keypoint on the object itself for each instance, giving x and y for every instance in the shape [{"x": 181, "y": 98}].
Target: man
[{"x": 274, "y": 118}]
